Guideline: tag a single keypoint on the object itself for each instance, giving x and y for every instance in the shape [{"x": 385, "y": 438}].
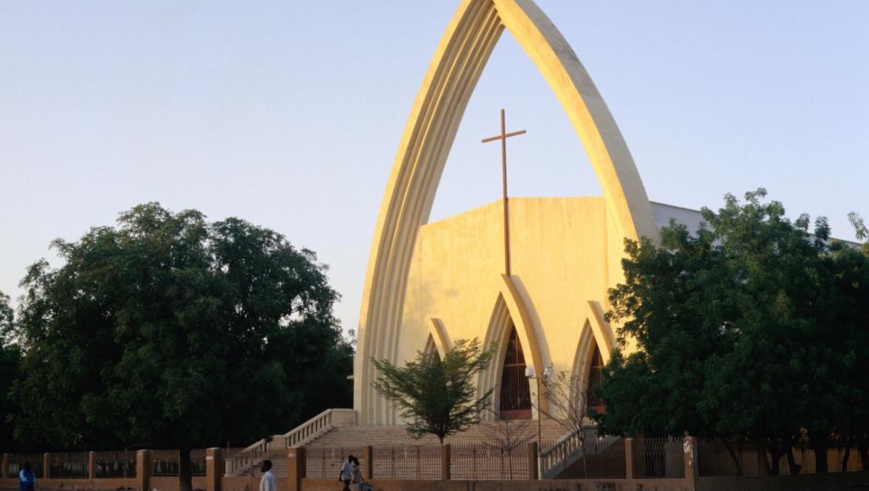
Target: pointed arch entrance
[
  {"x": 596, "y": 344},
  {"x": 515, "y": 393},
  {"x": 593, "y": 402}
]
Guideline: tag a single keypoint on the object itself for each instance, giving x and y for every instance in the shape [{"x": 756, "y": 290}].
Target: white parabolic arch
[{"x": 425, "y": 144}]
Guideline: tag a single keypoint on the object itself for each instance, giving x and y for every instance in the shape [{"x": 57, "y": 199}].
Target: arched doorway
[
  {"x": 595, "y": 369},
  {"x": 515, "y": 392}
]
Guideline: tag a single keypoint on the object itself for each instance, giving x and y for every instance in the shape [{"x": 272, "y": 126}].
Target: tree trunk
[
  {"x": 845, "y": 458},
  {"x": 775, "y": 454},
  {"x": 584, "y": 459},
  {"x": 762, "y": 447},
  {"x": 185, "y": 470},
  {"x": 792, "y": 463},
  {"x": 818, "y": 440},
  {"x": 733, "y": 457}
]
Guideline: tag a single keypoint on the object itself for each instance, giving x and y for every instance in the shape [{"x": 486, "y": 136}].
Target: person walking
[
  {"x": 268, "y": 482},
  {"x": 346, "y": 472},
  {"x": 26, "y": 478}
]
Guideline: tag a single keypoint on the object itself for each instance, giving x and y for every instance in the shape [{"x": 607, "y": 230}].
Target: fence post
[
  {"x": 46, "y": 465},
  {"x": 296, "y": 467},
  {"x": 692, "y": 473},
  {"x": 533, "y": 470},
  {"x": 445, "y": 462},
  {"x": 143, "y": 470},
  {"x": 4, "y": 468},
  {"x": 92, "y": 465},
  {"x": 368, "y": 457},
  {"x": 629, "y": 459},
  {"x": 213, "y": 468},
  {"x": 762, "y": 463}
]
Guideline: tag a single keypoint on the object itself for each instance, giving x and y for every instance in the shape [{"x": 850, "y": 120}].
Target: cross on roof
[{"x": 503, "y": 137}]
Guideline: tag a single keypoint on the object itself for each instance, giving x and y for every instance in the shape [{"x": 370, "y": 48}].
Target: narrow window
[
  {"x": 515, "y": 391},
  {"x": 595, "y": 403}
]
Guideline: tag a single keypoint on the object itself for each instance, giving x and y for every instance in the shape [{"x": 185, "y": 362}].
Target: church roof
[{"x": 692, "y": 219}]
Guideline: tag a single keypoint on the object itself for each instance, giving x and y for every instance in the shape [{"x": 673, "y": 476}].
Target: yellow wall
[{"x": 561, "y": 259}]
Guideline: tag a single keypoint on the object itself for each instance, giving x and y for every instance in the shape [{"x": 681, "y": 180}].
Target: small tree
[
  {"x": 437, "y": 396},
  {"x": 568, "y": 408},
  {"x": 506, "y": 436}
]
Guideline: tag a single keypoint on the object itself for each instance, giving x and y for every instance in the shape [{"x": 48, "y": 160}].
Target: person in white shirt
[
  {"x": 267, "y": 483},
  {"x": 346, "y": 472}
]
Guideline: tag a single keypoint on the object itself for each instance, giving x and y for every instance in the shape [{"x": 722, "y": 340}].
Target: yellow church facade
[{"x": 541, "y": 300}]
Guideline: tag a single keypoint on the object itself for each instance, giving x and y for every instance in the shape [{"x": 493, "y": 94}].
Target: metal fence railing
[
  {"x": 17, "y": 461},
  {"x": 423, "y": 462},
  {"x": 165, "y": 462},
  {"x": 248, "y": 464},
  {"x": 325, "y": 462},
  {"x": 407, "y": 462},
  {"x": 121, "y": 463},
  {"x": 658, "y": 457},
  {"x": 750, "y": 458},
  {"x": 168, "y": 462},
  {"x": 69, "y": 465},
  {"x": 486, "y": 462},
  {"x": 197, "y": 462}
]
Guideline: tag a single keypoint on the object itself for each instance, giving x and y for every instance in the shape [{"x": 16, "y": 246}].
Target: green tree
[
  {"x": 742, "y": 332},
  {"x": 10, "y": 361},
  {"x": 437, "y": 396},
  {"x": 850, "y": 270},
  {"x": 171, "y": 332}
]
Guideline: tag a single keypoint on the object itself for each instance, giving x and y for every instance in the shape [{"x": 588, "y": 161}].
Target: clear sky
[{"x": 288, "y": 113}]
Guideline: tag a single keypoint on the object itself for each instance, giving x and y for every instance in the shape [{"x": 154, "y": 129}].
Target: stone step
[{"x": 364, "y": 435}]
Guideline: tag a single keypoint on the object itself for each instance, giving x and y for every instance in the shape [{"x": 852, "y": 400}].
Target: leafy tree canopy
[
  {"x": 172, "y": 332},
  {"x": 10, "y": 360},
  {"x": 437, "y": 396},
  {"x": 751, "y": 327}
]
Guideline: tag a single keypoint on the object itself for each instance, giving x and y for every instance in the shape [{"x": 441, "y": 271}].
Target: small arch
[
  {"x": 593, "y": 402},
  {"x": 596, "y": 345},
  {"x": 515, "y": 394},
  {"x": 439, "y": 337},
  {"x": 431, "y": 348},
  {"x": 511, "y": 315}
]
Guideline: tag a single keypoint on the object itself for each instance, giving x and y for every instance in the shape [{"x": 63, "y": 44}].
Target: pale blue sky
[{"x": 288, "y": 113}]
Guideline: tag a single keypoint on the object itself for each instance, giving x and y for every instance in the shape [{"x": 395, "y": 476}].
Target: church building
[{"x": 529, "y": 275}]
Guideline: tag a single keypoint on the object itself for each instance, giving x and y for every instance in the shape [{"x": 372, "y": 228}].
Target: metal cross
[{"x": 503, "y": 137}]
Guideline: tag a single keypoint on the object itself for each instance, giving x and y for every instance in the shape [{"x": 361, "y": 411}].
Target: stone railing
[
  {"x": 569, "y": 449},
  {"x": 243, "y": 462},
  {"x": 318, "y": 425},
  {"x": 561, "y": 454}
]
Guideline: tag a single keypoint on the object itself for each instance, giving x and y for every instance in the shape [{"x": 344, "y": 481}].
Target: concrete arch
[
  {"x": 510, "y": 307},
  {"x": 440, "y": 104},
  {"x": 595, "y": 331},
  {"x": 439, "y": 337}
]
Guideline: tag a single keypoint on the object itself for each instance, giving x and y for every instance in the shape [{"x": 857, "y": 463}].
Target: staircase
[
  {"x": 570, "y": 449},
  {"x": 243, "y": 462},
  {"x": 336, "y": 428},
  {"x": 364, "y": 435}
]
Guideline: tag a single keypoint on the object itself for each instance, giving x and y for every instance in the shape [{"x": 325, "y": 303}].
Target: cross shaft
[{"x": 503, "y": 137}]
